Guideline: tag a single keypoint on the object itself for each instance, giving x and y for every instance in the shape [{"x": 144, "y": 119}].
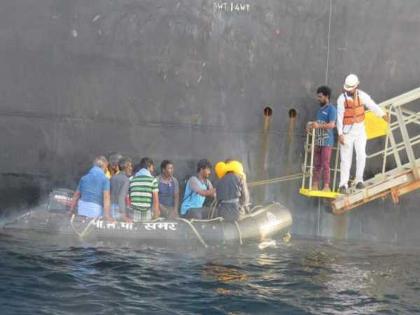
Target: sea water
[{"x": 298, "y": 277}]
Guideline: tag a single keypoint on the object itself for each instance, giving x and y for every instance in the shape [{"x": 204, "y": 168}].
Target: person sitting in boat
[
  {"x": 197, "y": 189},
  {"x": 119, "y": 189},
  {"x": 113, "y": 166},
  {"x": 93, "y": 193},
  {"x": 168, "y": 190},
  {"x": 231, "y": 190},
  {"x": 144, "y": 192}
]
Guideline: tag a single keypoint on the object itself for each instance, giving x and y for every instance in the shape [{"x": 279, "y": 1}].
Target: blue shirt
[
  {"x": 93, "y": 185},
  {"x": 326, "y": 114},
  {"x": 167, "y": 191},
  {"x": 191, "y": 198}
]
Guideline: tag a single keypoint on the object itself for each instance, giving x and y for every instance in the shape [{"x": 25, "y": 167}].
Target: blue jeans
[{"x": 89, "y": 209}]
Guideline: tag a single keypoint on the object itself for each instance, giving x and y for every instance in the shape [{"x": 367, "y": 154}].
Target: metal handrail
[
  {"x": 399, "y": 147},
  {"x": 402, "y": 99},
  {"x": 307, "y": 170},
  {"x": 404, "y": 117}
]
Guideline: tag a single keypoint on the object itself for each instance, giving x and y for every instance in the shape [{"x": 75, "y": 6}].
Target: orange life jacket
[{"x": 354, "y": 110}]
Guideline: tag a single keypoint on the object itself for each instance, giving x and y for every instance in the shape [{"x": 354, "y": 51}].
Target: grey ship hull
[{"x": 190, "y": 79}]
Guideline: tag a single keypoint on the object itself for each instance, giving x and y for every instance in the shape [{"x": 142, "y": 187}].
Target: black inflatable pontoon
[{"x": 265, "y": 221}]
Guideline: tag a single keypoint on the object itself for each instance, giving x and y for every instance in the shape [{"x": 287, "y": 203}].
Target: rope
[
  {"x": 328, "y": 44},
  {"x": 72, "y": 226},
  {"x": 275, "y": 180},
  {"x": 195, "y": 231},
  {"x": 257, "y": 212},
  {"x": 212, "y": 211},
  {"x": 239, "y": 232},
  {"x": 83, "y": 233},
  {"x": 255, "y": 208},
  {"x": 217, "y": 219},
  {"x": 87, "y": 228}
]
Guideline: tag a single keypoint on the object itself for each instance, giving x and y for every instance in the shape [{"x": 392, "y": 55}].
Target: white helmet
[{"x": 351, "y": 82}]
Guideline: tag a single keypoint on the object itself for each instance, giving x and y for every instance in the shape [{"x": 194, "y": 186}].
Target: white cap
[{"x": 351, "y": 82}]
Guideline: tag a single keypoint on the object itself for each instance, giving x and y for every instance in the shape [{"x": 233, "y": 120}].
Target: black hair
[
  {"x": 137, "y": 167},
  {"x": 203, "y": 164},
  {"x": 123, "y": 163},
  {"x": 114, "y": 158},
  {"x": 164, "y": 164},
  {"x": 324, "y": 90},
  {"x": 146, "y": 162}
]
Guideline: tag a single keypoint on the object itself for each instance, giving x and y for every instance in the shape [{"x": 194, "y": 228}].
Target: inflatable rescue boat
[{"x": 53, "y": 219}]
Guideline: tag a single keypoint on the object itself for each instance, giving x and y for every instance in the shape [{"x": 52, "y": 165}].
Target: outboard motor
[{"x": 59, "y": 200}]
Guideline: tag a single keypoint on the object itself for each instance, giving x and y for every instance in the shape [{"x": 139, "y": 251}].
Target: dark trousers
[
  {"x": 230, "y": 212},
  {"x": 197, "y": 213},
  {"x": 322, "y": 158}
]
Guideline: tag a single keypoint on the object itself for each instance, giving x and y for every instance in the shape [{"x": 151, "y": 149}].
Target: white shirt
[{"x": 366, "y": 100}]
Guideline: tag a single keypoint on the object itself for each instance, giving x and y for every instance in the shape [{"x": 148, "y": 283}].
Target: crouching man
[{"x": 231, "y": 191}]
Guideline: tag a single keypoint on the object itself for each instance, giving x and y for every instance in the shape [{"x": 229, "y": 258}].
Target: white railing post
[
  {"x": 305, "y": 160},
  {"x": 407, "y": 144},
  {"x": 312, "y": 158}
]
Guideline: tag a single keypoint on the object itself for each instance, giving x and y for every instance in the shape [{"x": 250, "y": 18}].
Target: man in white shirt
[{"x": 351, "y": 129}]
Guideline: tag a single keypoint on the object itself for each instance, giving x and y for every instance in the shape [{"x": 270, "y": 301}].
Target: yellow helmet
[
  {"x": 235, "y": 167},
  {"x": 220, "y": 169}
]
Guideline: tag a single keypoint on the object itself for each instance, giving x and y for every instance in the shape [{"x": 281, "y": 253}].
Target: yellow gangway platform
[
  {"x": 318, "y": 193},
  {"x": 308, "y": 168}
]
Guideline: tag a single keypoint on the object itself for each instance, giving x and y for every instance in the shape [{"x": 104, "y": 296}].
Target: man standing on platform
[
  {"x": 324, "y": 138},
  {"x": 351, "y": 129}
]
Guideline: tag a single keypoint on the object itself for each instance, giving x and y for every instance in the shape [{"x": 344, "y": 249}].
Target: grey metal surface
[{"x": 190, "y": 79}]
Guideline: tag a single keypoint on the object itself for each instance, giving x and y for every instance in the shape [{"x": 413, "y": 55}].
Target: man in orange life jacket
[{"x": 351, "y": 129}]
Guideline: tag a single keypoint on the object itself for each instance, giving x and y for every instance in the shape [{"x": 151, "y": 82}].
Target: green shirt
[{"x": 141, "y": 192}]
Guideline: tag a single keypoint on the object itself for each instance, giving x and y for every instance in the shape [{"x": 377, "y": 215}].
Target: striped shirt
[{"x": 142, "y": 188}]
